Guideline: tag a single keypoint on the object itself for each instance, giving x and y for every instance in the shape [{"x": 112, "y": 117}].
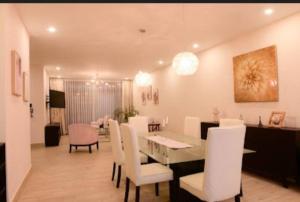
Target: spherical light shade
[
  {"x": 185, "y": 63},
  {"x": 143, "y": 79}
]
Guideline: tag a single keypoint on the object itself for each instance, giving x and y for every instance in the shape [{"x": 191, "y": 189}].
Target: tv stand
[{"x": 52, "y": 134}]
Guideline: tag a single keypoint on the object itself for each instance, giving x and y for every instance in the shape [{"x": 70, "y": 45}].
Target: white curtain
[
  {"x": 127, "y": 95},
  {"x": 86, "y": 103}
]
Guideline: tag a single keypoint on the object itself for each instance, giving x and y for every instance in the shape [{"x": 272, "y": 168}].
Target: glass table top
[{"x": 166, "y": 155}]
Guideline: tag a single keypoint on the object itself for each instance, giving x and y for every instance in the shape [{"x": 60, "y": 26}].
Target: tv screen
[{"x": 57, "y": 99}]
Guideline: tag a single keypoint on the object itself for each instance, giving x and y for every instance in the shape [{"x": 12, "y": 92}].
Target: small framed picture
[
  {"x": 144, "y": 97},
  {"x": 16, "y": 69},
  {"x": 277, "y": 119},
  {"x": 25, "y": 87},
  {"x": 156, "y": 96}
]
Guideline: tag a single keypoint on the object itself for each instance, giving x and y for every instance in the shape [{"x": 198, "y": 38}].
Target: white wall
[
  {"x": 16, "y": 112},
  {"x": 2, "y": 76},
  {"x": 38, "y": 100},
  {"x": 212, "y": 85}
]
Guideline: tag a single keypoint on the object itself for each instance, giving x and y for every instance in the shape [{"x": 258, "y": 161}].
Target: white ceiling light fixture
[
  {"x": 195, "y": 45},
  {"x": 59, "y": 76},
  {"x": 57, "y": 68},
  {"x": 268, "y": 11},
  {"x": 51, "y": 29},
  {"x": 161, "y": 62},
  {"x": 185, "y": 63},
  {"x": 143, "y": 79}
]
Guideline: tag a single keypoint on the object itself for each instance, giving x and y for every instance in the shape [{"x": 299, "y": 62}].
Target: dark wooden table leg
[
  {"x": 137, "y": 193},
  {"x": 156, "y": 189}
]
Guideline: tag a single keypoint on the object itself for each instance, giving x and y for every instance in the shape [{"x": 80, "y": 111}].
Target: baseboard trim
[
  {"x": 33, "y": 145},
  {"x": 17, "y": 194}
]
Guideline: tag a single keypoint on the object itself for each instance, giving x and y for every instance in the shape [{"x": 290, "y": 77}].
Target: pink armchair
[{"x": 82, "y": 135}]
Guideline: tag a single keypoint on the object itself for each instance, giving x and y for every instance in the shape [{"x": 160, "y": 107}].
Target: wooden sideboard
[
  {"x": 277, "y": 151},
  {"x": 2, "y": 173}
]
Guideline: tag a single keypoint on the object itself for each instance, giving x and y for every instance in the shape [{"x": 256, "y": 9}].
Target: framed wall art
[
  {"x": 25, "y": 87},
  {"x": 16, "y": 73},
  {"x": 277, "y": 119},
  {"x": 156, "y": 96},
  {"x": 144, "y": 97},
  {"x": 255, "y": 76}
]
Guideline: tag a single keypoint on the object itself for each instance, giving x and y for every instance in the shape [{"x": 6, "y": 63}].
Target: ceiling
[{"x": 104, "y": 39}]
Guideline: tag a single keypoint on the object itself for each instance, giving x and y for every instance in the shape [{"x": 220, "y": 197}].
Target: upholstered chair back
[
  {"x": 81, "y": 134},
  {"x": 192, "y": 126},
  {"x": 223, "y": 162},
  {"x": 132, "y": 156},
  {"x": 230, "y": 122},
  {"x": 139, "y": 123},
  {"x": 116, "y": 143}
]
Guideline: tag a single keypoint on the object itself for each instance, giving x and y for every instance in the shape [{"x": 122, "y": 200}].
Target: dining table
[{"x": 183, "y": 154}]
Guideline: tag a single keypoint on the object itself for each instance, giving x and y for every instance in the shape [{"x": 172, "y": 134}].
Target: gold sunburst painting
[{"x": 255, "y": 76}]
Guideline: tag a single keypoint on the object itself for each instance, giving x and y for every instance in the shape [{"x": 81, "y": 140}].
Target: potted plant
[{"x": 123, "y": 115}]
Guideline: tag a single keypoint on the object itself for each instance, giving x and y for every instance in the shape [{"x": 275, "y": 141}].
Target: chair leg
[
  {"x": 137, "y": 194},
  {"x": 113, "y": 172},
  {"x": 119, "y": 176},
  {"x": 127, "y": 189},
  {"x": 237, "y": 198},
  {"x": 241, "y": 191},
  {"x": 70, "y": 150},
  {"x": 156, "y": 189},
  {"x": 76, "y": 147},
  {"x": 97, "y": 145},
  {"x": 90, "y": 148}
]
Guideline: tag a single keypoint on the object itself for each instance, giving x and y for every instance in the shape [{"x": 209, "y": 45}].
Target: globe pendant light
[
  {"x": 185, "y": 63},
  {"x": 143, "y": 79}
]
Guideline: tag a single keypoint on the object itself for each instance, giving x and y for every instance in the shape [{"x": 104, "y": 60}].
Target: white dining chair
[
  {"x": 118, "y": 153},
  {"x": 152, "y": 173},
  {"x": 221, "y": 178},
  {"x": 230, "y": 122},
  {"x": 192, "y": 126},
  {"x": 140, "y": 123}
]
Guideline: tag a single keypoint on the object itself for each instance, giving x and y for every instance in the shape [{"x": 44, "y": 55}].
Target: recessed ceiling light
[
  {"x": 161, "y": 62},
  {"x": 93, "y": 80},
  {"x": 195, "y": 45},
  {"x": 59, "y": 76},
  {"x": 57, "y": 68},
  {"x": 87, "y": 83},
  {"x": 126, "y": 78},
  {"x": 268, "y": 11},
  {"x": 51, "y": 29}
]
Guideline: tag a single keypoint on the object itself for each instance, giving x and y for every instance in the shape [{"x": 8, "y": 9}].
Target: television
[{"x": 57, "y": 99}]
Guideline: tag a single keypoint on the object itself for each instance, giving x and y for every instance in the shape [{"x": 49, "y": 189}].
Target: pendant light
[
  {"x": 185, "y": 63},
  {"x": 143, "y": 79}
]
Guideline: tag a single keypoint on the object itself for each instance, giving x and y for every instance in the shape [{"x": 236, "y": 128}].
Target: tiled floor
[{"x": 59, "y": 176}]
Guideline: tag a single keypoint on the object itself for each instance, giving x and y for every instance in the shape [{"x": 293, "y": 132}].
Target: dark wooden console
[
  {"x": 52, "y": 134},
  {"x": 2, "y": 173},
  {"x": 277, "y": 151}
]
